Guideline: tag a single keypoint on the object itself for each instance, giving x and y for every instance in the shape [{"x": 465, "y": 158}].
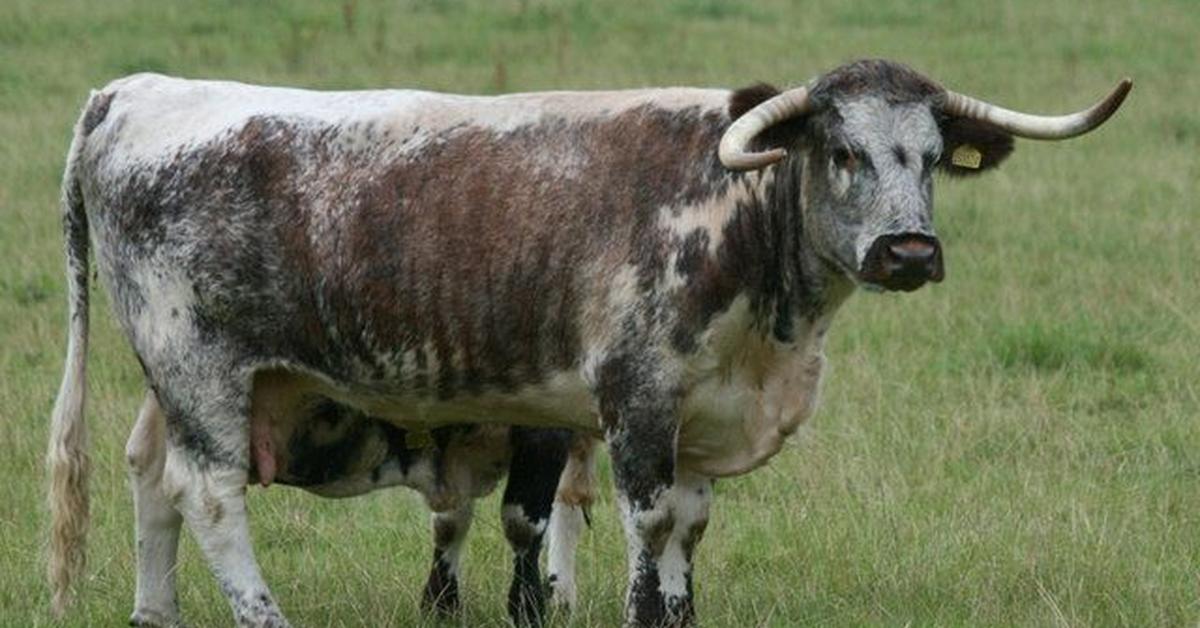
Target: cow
[{"x": 656, "y": 267}]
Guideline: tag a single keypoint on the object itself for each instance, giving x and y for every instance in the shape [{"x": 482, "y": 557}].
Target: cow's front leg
[
  {"x": 158, "y": 522},
  {"x": 449, "y": 532},
  {"x": 664, "y": 558},
  {"x": 664, "y": 512}
]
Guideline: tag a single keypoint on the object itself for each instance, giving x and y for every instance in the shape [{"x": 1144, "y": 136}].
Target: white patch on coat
[
  {"x": 710, "y": 215},
  {"x": 634, "y": 546},
  {"x": 164, "y": 322},
  {"x": 160, "y": 114},
  {"x": 689, "y": 499}
]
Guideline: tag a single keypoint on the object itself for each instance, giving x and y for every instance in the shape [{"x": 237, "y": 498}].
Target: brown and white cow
[{"x": 657, "y": 266}]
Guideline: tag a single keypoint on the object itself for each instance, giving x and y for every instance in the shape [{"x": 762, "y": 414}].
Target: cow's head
[{"x": 871, "y": 134}]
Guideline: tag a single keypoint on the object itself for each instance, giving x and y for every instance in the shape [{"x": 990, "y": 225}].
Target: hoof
[
  {"x": 561, "y": 593},
  {"x": 152, "y": 619}
]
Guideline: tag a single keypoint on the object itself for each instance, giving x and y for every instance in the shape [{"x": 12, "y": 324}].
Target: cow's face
[
  {"x": 868, "y": 180},
  {"x": 864, "y": 140}
]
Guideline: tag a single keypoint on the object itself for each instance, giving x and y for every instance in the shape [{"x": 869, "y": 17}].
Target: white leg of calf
[
  {"x": 566, "y": 526},
  {"x": 575, "y": 495},
  {"x": 212, "y": 500},
  {"x": 155, "y": 603}
]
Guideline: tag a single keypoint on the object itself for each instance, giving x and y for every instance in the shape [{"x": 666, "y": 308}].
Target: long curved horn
[
  {"x": 1038, "y": 127},
  {"x": 785, "y": 106}
]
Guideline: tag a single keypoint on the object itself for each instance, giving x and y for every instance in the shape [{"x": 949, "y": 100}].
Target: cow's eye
[{"x": 843, "y": 158}]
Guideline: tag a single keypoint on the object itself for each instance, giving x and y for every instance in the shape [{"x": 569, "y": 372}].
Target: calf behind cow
[
  {"x": 335, "y": 451},
  {"x": 657, "y": 266}
]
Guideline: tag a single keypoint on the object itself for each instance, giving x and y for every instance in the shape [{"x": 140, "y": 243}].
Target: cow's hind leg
[
  {"x": 449, "y": 532},
  {"x": 155, "y": 603},
  {"x": 538, "y": 458},
  {"x": 205, "y": 477}
]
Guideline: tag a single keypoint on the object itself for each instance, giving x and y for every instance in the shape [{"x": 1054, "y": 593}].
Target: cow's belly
[{"x": 562, "y": 400}]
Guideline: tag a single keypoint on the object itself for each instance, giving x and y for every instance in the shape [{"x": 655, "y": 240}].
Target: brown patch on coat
[
  {"x": 483, "y": 247},
  {"x": 749, "y": 97}
]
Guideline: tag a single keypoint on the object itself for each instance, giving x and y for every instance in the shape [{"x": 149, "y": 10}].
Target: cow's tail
[{"x": 67, "y": 457}]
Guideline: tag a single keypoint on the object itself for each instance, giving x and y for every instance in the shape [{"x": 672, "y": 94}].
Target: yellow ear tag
[{"x": 966, "y": 156}]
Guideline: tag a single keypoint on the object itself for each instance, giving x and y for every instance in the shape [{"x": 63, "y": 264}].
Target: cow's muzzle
[{"x": 903, "y": 261}]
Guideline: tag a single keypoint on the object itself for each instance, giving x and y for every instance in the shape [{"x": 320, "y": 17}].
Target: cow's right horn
[{"x": 785, "y": 106}]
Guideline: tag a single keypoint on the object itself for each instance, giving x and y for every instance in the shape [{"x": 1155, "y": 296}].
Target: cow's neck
[
  {"x": 755, "y": 375},
  {"x": 764, "y": 250}
]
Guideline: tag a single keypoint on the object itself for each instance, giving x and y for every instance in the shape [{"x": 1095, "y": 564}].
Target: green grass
[{"x": 1016, "y": 446}]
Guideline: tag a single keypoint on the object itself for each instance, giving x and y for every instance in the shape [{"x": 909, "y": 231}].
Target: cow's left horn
[
  {"x": 1038, "y": 127},
  {"x": 785, "y": 106}
]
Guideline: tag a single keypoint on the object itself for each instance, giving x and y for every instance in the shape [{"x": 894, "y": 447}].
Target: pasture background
[{"x": 1016, "y": 446}]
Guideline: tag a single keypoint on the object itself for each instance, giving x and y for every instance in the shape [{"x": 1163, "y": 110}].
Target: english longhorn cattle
[{"x": 656, "y": 266}]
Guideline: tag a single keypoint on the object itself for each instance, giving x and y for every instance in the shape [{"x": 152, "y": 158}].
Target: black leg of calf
[{"x": 538, "y": 458}]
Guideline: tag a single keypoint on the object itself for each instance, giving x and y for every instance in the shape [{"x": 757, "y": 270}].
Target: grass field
[{"x": 1019, "y": 445}]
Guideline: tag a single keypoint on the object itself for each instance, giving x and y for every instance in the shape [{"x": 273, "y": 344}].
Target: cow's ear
[
  {"x": 971, "y": 146},
  {"x": 783, "y": 135}
]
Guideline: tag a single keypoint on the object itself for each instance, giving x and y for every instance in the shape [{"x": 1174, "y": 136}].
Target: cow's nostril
[{"x": 912, "y": 251}]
